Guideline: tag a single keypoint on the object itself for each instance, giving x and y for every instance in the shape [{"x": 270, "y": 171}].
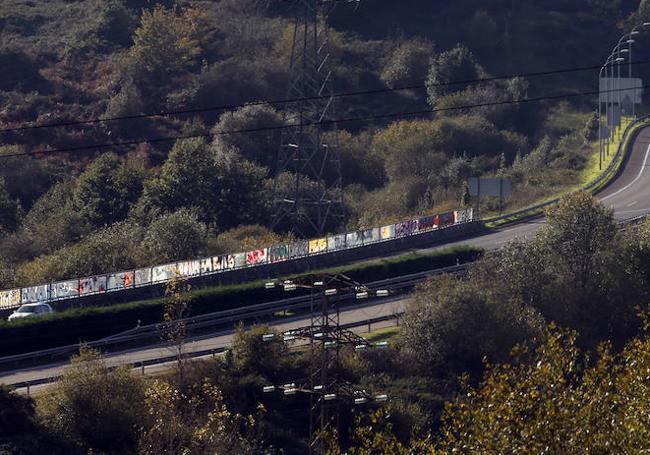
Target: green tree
[
  {"x": 456, "y": 65},
  {"x": 556, "y": 400},
  {"x": 21, "y": 431},
  {"x": 188, "y": 178},
  {"x": 116, "y": 247},
  {"x": 590, "y": 131},
  {"x": 173, "y": 329},
  {"x": 259, "y": 147},
  {"x": 226, "y": 189},
  {"x": 165, "y": 44},
  {"x": 175, "y": 236},
  {"x": 26, "y": 178},
  {"x": 451, "y": 325},
  {"x": 466, "y": 199},
  {"x": 408, "y": 63},
  {"x": 115, "y": 22},
  {"x": 195, "y": 421},
  {"x": 96, "y": 406},
  {"x": 576, "y": 235},
  {"x": 107, "y": 188},
  {"x": 9, "y": 210},
  {"x": 126, "y": 102}
]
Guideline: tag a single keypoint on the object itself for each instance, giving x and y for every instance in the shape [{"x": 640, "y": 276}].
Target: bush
[
  {"x": 175, "y": 236},
  {"x": 98, "y": 407}
]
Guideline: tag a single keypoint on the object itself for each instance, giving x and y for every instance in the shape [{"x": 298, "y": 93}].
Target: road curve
[{"x": 628, "y": 195}]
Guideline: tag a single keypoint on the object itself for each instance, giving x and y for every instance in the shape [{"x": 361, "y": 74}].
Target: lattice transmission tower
[
  {"x": 326, "y": 336},
  {"x": 307, "y": 193}
]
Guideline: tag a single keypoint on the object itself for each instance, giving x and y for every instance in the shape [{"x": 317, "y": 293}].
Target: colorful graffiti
[
  {"x": 64, "y": 289},
  {"x": 93, "y": 285},
  {"x": 387, "y": 232},
  {"x": 317, "y": 246},
  {"x": 118, "y": 281},
  {"x": 278, "y": 253},
  {"x": 299, "y": 249},
  {"x": 463, "y": 216},
  {"x": 189, "y": 268},
  {"x": 34, "y": 294},
  {"x": 256, "y": 257},
  {"x": 336, "y": 243},
  {"x": 406, "y": 228},
  {"x": 9, "y": 299},
  {"x": 217, "y": 264},
  {"x": 225, "y": 262},
  {"x": 427, "y": 223},
  {"x": 445, "y": 219}
]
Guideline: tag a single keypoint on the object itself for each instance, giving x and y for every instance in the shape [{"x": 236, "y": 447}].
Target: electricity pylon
[{"x": 308, "y": 186}]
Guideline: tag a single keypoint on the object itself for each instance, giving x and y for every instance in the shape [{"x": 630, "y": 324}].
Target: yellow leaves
[
  {"x": 556, "y": 403},
  {"x": 165, "y": 42}
]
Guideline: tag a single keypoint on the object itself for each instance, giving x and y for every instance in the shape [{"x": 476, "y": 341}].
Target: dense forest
[
  {"x": 81, "y": 209},
  {"x": 542, "y": 348}
]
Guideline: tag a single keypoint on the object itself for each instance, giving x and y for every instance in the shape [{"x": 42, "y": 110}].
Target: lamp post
[
  {"x": 326, "y": 336},
  {"x": 600, "y": 120},
  {"x": 615, "y": 59}
]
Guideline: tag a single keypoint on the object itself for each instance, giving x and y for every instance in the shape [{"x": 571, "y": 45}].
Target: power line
[
  {"x": 228, "y": 107},
  {"x": 308, "y": 124}
]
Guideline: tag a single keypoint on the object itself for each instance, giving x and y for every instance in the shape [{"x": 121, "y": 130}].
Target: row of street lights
[
  {"x": 326, "y": 336},
  {"x": 613, "y": 62}
]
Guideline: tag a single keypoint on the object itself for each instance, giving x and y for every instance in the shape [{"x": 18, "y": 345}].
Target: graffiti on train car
[
  {"x": 143, "y": 277},
  {"x": 206, "y": 265},
  {"x": 162, "y": 273},
  {"x": 464, "y": 216},
  {"x": 369, "y": 235},
  {"x": 224, "y": 262},
  {"x": 427, "y": 223},
  {"x": 317, "y": 246},
  {"x": 278, "y": 253},
  {"x": 34, "y": 294},
  {"x": 240, "y": 260},
  {"x": 336, "y": 243},
  {"x": 189, "y": 268},
  {"x": 92, "y": 285},
  {"x": 445, "y": 219},
  {"x": 299, "y": 249},
  {"x": 255, "y": 257},
  {"x": 387, "y": 232},
  {"x": 119, "y": 281},
  {"x": 64, "y": 289},
  {"x": 406, "y": 228},
  {"x": 353, "y": 239},
  {"x": 9, "y": 299}
]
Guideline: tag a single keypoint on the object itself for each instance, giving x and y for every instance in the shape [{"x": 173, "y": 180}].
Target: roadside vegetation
[
  {"x": 543, "y": 346},
  {"x": 81, "y": 213},
  {"x": 96, "y": 321}
]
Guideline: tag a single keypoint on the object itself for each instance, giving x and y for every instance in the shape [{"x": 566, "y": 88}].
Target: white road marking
[
  {"x": 633, "y": 203},
  {"x": 645, "y": 161},
  {"x": 632, "y": 211}
]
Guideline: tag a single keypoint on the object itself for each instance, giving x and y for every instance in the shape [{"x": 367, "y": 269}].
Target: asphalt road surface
[
  {"x": 352, "y": 313},
  {"x": 628, "y": 195}
]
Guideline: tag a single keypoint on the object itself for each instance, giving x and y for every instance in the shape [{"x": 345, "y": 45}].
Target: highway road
[
  {"x": 352, "y": 313},
  {"x": 628, "y": 195}
]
